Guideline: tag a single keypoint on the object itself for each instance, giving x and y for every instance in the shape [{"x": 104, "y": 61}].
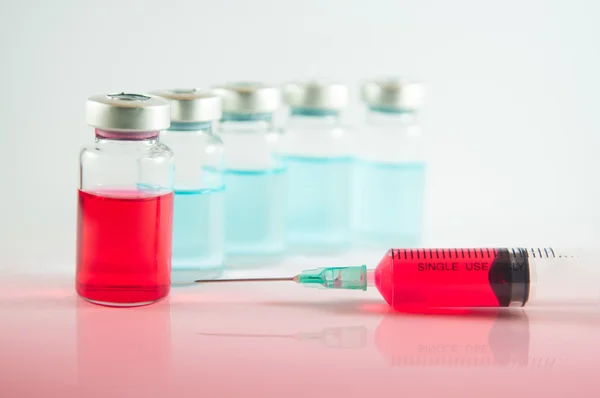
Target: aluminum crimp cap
[
  {"x": 316, "y": 94},
  {"x": 128, "y": 112},
  {"x": 394, "y": 93},
  {"x": 192, "y": 105},
  {"x": 249, "y": 97}
]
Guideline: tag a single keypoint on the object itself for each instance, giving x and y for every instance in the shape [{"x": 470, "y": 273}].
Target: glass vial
[
  {"x": 198, "y": 237},
  {"x": 254, "y": 176},
  {"x": 125, "y": 206},
  {"x": 390, "y": 166},
  {"x": 316, "y": 150}
]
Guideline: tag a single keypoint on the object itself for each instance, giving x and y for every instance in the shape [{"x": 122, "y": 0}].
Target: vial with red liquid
[{"x": 125, "y": 203}]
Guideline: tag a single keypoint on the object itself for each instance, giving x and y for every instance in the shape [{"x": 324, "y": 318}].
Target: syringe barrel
[
  {"x": 486, "y": 277},
  {"x": 563, "y": 277}
]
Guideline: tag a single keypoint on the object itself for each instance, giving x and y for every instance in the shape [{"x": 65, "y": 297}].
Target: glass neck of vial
[
  {"x": 247, "y": 122},
  {"x": 380, "y": 116},
  {"x": 131, "y": 138},
  {"x": 315, "y": 116},
  {"x": 203, "y": 127}
]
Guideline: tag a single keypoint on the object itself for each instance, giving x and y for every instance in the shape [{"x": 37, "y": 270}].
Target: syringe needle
[
  {"x": 330, "y": 277},
  {"x": 282, "y": 279}
]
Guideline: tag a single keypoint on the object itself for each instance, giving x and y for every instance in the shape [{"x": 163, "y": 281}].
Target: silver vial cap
[
  {"x": 394, "y": 93},
  {"x": 128, "y": 112},
  {"x": 315, "y": 94},
  {"x": 192, "y": 105},
  {"x": 249, "y": 97}
]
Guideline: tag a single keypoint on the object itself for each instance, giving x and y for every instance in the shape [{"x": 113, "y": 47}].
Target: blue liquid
[
  {"x": 198, "y": 238},
  {"x": 318, "y": 207},
  {"x": 389, "y": 203},
  {"x": 254, "y": 212}
]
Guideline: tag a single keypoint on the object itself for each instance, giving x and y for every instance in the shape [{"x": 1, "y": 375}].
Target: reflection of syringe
[
  {"x": 344, "y": 337},
  {"x": 482, "y": 277},
  {"x": 487, "y": 338}
]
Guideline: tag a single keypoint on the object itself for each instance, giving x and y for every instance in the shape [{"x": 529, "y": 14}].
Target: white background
[{"x": 511, "y": 117}]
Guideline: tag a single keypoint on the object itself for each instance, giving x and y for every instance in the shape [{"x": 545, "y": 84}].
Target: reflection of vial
[
  {"x": 316, "y": 152},
  {"x": 120, "y": 349},
  {"x": 390, "y": 168},
  {"x": 471, "y": 339},
  {"x": 125, "y": 211},
  {"x": 254, "y": 177},
  {"x": 198, "y": 238}
]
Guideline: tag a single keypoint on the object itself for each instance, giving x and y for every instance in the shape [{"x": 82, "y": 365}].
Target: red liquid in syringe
[
  {"x": 124, "y": 247},
  {"x": 453, "y": 277}
]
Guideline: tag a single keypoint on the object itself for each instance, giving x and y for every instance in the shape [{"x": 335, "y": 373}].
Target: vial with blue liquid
[
  {"x": 316, "y": 149},
  {"x": 254, "y": 176},
  {"x": 390, "y": 165},
  {"x": 198, "y": 234}
]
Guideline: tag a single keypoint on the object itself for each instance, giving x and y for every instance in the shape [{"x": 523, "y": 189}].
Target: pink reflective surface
[{"x": 285, "y": 341}]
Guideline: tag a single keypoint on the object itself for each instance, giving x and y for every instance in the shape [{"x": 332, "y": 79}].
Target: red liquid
[
  {"x": 427, "y": 278},
  {"x": 124, "y": 247}
]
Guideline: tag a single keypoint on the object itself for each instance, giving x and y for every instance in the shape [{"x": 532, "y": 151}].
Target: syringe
[{"x": 480, "y": 277}]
